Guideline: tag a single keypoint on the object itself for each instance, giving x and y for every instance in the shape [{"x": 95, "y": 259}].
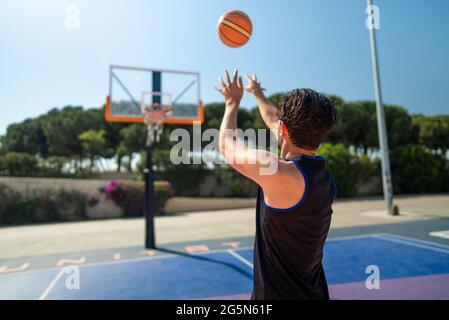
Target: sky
[{"x": 320, "y": 44}]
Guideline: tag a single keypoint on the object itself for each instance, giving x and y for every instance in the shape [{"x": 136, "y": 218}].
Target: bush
[
  {"x": 342, "y": 165},
  {"x": 367, "y": 168},
  {"x": 130, "y": 196},
  {"x": 239, "y": 185},
  {"x": 40, "y": 206},
  {"x": 18, "y": 164},
  {"x": 53, "y": 167},
  {"x": 445, "y": 187},
  {"x": 415, "y": 169},
  {"x": 186, "y": 179}
]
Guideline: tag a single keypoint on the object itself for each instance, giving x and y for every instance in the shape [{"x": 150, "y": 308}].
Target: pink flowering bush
[{"x": 130, "y": 196}]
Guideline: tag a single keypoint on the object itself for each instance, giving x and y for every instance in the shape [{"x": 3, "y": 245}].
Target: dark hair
[{"x": 308, "y": 116}]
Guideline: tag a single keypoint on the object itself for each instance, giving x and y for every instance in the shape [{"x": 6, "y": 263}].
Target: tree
[
  {"x": 132, "y": 140},
  {"x": 355, "y": 125},
  {"x": 112, "y": 136},
  {"x": 245, "y": 119},
  {"x": 337, "y": 100},
  {"x": 416, "y": 169},
  {"x": 120, "y": 152},
  {"x": 26, "y": 137},
  {"x": 213, "y": 113},
  {"x": 63, "y": 127},
  {"x": 275, "y": 98},
  {"x": 93, "y": 143},
  {"x": 399, "y": 127},
  {"x": 433, "y": 131}
]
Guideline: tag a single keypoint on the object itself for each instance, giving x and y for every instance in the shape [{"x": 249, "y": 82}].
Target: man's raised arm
[{"x": 267, "y": 110}]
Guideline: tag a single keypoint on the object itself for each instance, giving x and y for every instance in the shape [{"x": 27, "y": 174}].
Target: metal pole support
[{"x": 150, "y": 242}]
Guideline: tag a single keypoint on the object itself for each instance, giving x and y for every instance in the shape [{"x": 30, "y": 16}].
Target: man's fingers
[
  {"x": 236, "y": 75},
  {"x": 249, "y": 78},
  {"x": 221, "y": 81},
  {"x": 219, "y": 89},
  {"x": 255, "y": 77},
  {"x": 240, "y": 83},
  {"x": 228, "y": 78}
]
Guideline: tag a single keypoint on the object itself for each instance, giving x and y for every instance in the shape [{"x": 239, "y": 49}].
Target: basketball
[{"x": 234, "y": 28}]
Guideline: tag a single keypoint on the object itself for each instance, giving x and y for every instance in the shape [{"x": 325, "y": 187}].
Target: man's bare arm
[
  {"x": 279, "y": 183},
  {"x": 247, "y": 161},
  {"x": 267, "y": 110}
]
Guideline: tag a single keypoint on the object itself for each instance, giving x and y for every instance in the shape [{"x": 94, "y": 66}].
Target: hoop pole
[
  {"x": 150, "y": 239},
  {"x": 150, "y": 242},
  {"x": 381, "y": 126}
]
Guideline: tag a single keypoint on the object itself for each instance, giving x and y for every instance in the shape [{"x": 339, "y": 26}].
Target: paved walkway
[{"x": 26, "y": 241}]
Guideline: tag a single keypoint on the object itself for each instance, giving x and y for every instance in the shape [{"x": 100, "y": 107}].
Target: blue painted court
[{"x": 409, "y": 268}]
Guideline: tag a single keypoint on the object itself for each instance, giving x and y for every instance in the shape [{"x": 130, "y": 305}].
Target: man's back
[{"x": 289, "y": 242}]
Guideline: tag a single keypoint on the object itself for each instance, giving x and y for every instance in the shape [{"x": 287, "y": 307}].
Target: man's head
[{"x": 307, "y": 116}]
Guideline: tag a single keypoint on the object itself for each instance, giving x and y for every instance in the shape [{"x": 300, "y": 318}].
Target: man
[{"x": 294, "y": 210}]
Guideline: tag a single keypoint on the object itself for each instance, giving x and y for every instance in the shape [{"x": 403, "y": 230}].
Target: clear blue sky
[{"x": 322, "y": 44}]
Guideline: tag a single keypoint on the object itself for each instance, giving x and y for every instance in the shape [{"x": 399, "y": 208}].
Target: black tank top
[{"x": 288, "y": 249}]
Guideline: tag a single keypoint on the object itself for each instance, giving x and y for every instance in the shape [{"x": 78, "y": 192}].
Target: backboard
[{"x": 131, "y": 89}]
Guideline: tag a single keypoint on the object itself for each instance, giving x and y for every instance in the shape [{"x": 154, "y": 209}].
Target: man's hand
[
  {"x": 267, "y": 110},
  {"x": 253, "y": 85},
  {"x": 232, "y": 91}
]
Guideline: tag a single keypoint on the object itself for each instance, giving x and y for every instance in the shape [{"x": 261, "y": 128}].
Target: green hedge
[
  {"x": 41, "y": 206},
  {"x": 416, "y": 169},
  {"x": 18, "y": 164},
  {"x": 239, "y": 185},
  {"x": 341, "y": 164}
]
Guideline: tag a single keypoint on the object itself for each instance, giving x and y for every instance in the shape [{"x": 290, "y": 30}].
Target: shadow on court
[{"x": 205, "y": 259}]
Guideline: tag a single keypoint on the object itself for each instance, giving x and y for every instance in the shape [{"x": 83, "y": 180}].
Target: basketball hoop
[
  {"x": 154, "y": 116},
  {"x": 154, "y": 113}
]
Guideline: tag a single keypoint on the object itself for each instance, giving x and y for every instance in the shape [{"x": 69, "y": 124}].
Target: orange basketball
[{"x": 234, "y": 28}]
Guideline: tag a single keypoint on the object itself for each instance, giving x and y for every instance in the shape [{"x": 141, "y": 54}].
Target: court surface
[{"x": 412, "y": 263}]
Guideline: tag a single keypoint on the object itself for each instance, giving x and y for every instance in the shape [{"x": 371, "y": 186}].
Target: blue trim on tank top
[
  {"x": 303, "y": 198},
  {"x": 313, "y": 157}
]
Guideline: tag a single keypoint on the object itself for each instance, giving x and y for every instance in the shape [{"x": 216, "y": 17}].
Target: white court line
[
  {"x": 51, "y": 285},
  {"x": 343, "y": 238},
  {"x": 240, "y": 258},
  {"x": 410, "y": 242},
  {"x": 424, "y": 242},
  {"x": 444, "y": 234},
  {"x": 430, "y": 243}
]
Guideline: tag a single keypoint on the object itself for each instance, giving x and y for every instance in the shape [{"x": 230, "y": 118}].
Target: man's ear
[{"x": 284, "y": 132}]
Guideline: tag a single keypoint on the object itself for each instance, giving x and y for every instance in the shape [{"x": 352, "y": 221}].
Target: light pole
[{"x": 381, "y": 127}]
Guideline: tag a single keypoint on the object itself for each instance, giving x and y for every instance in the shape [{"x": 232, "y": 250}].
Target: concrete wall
[
  {"x": 373, "y": 187},
  {"x": 107, "y": 209},
  {"x": 104, "y": 209}
]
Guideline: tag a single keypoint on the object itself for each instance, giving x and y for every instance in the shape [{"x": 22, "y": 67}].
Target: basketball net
[{"x": 154, "y": 120}]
